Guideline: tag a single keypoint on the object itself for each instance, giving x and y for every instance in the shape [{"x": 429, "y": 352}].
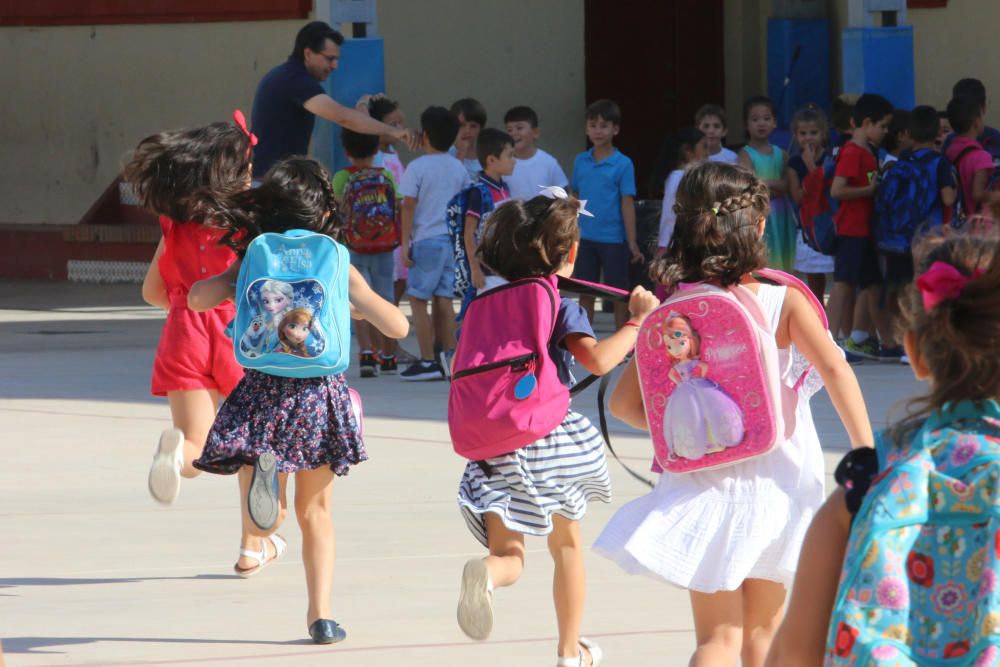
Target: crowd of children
[{"x": 486, "y": 216}]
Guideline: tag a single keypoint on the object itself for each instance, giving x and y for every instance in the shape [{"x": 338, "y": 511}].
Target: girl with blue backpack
[
  {"x": 730, "y": 532},
  {"x": 900, "y": 566},
  {"x": 534, "y": 463},
  {"x": 292, "y": 412}
]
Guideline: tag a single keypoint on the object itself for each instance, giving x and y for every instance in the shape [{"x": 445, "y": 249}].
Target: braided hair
[{"x": 716, "y": 237}]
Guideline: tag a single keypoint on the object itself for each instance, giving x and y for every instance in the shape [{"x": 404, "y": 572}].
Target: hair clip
[
  {"x": 715, "y": 210},
  {"x": 556, "y": 192},
  {"x": 241, "y": 122}
]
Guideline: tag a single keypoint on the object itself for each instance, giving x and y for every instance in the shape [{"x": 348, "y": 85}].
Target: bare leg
[
  {"x": 840, "y": 309},
  {"x": 506, "y": 560},
  {"x": 718, "y": 628},
  {"x": 587, "y": 303},
  {"x": 878, "y": 314},
  {"x": 193, "y": 412},
  {"x": 444, "y": 322},
  {"x": 253, "y": 537},
  {"x": 423, "y": 327},
  {"x": 313, "y": 498},
  {"x": 817, "y": 285},
  {"x": 568, "y": 583},
  {"x": 364, "y": 331},
  {"x": 763, "y": 607}
]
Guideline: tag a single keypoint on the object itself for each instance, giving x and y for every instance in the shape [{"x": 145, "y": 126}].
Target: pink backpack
[
  {"x": 711, "y": 385},
  {"x": 505, "y": 389}
]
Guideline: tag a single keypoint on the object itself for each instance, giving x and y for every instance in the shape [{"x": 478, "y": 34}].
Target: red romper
[{"x": 194, "y": 351}]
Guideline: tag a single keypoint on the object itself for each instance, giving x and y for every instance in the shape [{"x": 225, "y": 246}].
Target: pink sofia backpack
[
  {"x": 505, "y": 390},
  {"x": 710, "y": 379}
]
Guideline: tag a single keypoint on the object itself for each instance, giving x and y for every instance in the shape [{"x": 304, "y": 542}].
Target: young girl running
[
  {"x": 194, "y": 365},
  {"x": 768, "y": 162},
  {"x": 731, "y": 535},
  {"x": 809, "y": 128},
  {"x": 940, "y": 577},
  {"x": 543, "y": 488},
  {"x": 272, "y": 424}
]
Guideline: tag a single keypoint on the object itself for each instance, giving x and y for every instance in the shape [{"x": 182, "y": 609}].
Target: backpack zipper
[{"x": 517, "y": 364}]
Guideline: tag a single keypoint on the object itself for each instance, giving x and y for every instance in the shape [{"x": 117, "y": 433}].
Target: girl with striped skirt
[{"x": 542, "y": 489}]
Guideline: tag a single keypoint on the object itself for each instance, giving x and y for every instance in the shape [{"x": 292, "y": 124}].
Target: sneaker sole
[
  {"x": 164, "y": 478},
  {"x": 475, "y": 608},
  {"x": 388, "y": 371},
  {"x": 262, "y": 500},
  {"x": 368, "y": 372},
  {"x": 431, "y": 375}
]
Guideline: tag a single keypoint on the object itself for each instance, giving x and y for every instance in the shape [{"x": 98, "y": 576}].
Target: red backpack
[{"x": 372, "y": 215}]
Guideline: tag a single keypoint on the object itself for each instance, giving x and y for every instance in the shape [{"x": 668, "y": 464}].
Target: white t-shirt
[
  {"x": 667, "y": 216},
  {"x": 471, "y": 165},
  {"x": 538, "y": 170},
  {"x": 432, "y": 180},
  {"x": 725, "y": 155}
]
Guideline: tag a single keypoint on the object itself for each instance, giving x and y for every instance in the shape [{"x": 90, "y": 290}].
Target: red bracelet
[{"x": 632, "y": 323}]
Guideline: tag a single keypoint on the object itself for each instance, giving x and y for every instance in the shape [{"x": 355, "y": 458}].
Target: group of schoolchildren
[{"x": 912, "y": 526}]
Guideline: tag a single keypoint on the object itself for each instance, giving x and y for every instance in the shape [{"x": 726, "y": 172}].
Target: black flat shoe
[{"x": 325, "y": 631}]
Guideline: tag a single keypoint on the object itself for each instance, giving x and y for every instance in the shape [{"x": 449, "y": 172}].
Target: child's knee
[{"x": 312, "y": 513}]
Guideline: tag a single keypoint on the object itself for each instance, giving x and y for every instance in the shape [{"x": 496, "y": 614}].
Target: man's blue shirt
[{"x": 282, "y": 125}]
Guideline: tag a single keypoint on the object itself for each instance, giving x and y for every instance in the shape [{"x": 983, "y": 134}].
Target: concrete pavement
[{"x": 93, "y": 572}]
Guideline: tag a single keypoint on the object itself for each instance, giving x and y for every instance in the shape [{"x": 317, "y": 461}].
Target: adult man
[{"x": 290, "y": 96}]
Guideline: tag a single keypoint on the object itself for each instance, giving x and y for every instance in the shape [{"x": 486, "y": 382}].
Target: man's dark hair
[
  {"x": 871, "y": 106},
  {"x": 521, "y": 115},
  {"x": 357, "y": 145},
  {"x": 924, "y": 124},
  {"x": 973, "y": 88},
  {"x": 491, "y": 141},
  {"x": 963, "y": 112},
  {"x": 605, "y": 110},
  {"x": 441, "y": 127},
  {"x": 472, "y": 110},
  {"x": 380, "y": 107},
  {"x": 313, "y": 36}
]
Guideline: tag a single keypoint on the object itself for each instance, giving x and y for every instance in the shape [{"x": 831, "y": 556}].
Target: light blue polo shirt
[{"x": 603, "y": 184}]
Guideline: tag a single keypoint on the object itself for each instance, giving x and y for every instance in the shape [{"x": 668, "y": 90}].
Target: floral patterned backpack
[{"x": 919, "y": 584}]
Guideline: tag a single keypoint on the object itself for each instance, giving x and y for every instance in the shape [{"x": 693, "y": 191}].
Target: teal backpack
[
  {"x": 920, "y": 579},
  {"x": 292, "y": 308}
]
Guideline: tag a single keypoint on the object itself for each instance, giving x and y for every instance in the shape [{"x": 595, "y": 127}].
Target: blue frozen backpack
[
  {"x": 906, "y": 199},
  {"x": 292, "y": 308},
  {"x": 455, "y": 216},
  {"x": 919, "y": 586}
]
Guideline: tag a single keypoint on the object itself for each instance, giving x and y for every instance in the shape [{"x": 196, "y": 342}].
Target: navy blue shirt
[
  {"x": 571, "y": 319},
  {"x": 282, "y": 125}
]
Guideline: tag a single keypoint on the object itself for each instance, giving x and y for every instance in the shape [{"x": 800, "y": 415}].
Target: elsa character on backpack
[
  {"x": 731, "y": 535},
  {"x": 541, "y": 489},
  {"x": 700, "y": 418},
  {"x": 901, "y": 563},
  {"x": 261, "y": 337},
  {"x": 273, "y": 426}
]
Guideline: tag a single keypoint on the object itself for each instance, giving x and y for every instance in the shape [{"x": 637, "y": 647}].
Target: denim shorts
[
  {"x": 433, "y": 270},
  {"x": 377, "y": 271},
  {"x": 594, "y": 256}
]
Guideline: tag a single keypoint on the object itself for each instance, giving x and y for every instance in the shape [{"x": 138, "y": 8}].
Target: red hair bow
[
  {"x": 943, "y": 282},
  {"x": 241, "y": 122}
]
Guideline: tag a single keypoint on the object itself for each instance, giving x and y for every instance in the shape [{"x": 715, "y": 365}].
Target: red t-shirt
[
  {"x": 191, "y": 252},
  {"x": 859, "y": 166}
]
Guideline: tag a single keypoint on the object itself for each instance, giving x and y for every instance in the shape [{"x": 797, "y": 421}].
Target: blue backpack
[
  {"x": 907, "y": 198},
  {"x": 455, "y": 216},
  {"x": 292, "y": 309},
  {"x": 920, "y": 582}
]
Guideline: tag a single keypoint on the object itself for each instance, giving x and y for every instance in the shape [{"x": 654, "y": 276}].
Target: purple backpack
[{"x": 505, "y": 390}]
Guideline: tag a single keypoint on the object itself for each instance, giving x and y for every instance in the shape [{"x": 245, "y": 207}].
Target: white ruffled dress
[{"x": 709, "y": 531}]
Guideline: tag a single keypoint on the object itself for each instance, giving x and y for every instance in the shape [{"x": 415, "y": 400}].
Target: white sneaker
[
  {"x": 475, "y": 602},
  {"x": 165, "y": 473}
]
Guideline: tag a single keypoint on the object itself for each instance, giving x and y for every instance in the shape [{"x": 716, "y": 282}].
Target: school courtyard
[{"x": 94, "y": 572}]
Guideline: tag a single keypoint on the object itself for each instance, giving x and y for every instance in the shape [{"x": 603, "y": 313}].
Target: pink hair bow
[
  {"x": 241, "y": 122},
  {"x": 943, "y": 282}
]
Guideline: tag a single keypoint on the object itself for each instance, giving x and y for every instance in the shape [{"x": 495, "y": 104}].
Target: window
[{"x": 95, "y": 12}]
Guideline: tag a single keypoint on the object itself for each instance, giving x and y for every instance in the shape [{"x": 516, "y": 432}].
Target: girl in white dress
[{"x": 732, "y": 535}]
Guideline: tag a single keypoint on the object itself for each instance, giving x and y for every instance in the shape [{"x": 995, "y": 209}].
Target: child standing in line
[
  {"x": 471, "y": 116},
  {"x": 769, "y": 163},
  {"x": 194, "y": 365},
  {"x": 810, "y": 131},
  {"x": 731, "y": 535},
  {"x": 944, "y": 576},
  {"x": 711, "y": 120},
  {"x": 271, "y": 426},
  {"x": 973, "y": 163},
  {"x": 543, "y": 488},
  {"x": 683, "y": 148},
  {"x": 533, "y": 167},
  {"x": 897, "y": 139}
]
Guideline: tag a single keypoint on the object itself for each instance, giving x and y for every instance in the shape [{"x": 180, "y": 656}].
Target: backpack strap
[
  {"x": 788, "y": 280},
  {"x": 965, "y": 151}
]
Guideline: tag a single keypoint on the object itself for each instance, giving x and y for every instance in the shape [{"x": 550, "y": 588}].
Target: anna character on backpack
[
  {"x": 731, "y": 535},
  {"x": 292, "y": 414},
  {"x": 534, "y": 463},
  {"x": 913, "y": 531}
]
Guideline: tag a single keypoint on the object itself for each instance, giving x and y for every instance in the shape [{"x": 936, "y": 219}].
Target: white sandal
[
  {"x": 279, "y": 545},
  {"x": 591, "y": 647},
  {"x": 165, "y": 473}
]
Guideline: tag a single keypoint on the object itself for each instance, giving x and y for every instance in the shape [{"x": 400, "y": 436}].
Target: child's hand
[
  {"x": 633, "y": 248},
  {"x": 408, "y": 137},
  {"x": 809, "y": 154},
  {"x": 478, "y": 280},
  {"x": 641, "y": 303},
  {"x": 404, "y": 254}
]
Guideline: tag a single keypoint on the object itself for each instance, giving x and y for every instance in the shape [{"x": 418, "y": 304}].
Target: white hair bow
[{"x": 556, "y": 192}]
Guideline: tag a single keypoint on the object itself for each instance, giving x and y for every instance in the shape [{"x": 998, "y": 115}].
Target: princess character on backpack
[
  {"x": 292, "y": 412},
  {"x": 912, "y": 529},
  {"x": 534, "y": 463},
  {"x": 731, "y": 534}
]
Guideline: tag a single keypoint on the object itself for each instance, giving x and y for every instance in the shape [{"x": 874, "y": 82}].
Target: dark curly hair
[
  {"x": 168, "y": 168},
  {"x": 531, "y": 238},
  {"x": 716, "y": 239},
  {"x": 294, "y": 194}
]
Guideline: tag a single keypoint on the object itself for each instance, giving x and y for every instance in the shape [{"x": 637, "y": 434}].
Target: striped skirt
[{"x": 555, "y": 475}]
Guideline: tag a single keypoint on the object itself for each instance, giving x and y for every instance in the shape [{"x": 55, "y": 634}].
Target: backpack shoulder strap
[
  {"x": 965, "y": 151},
  {"x": 789, "y": 280}
]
